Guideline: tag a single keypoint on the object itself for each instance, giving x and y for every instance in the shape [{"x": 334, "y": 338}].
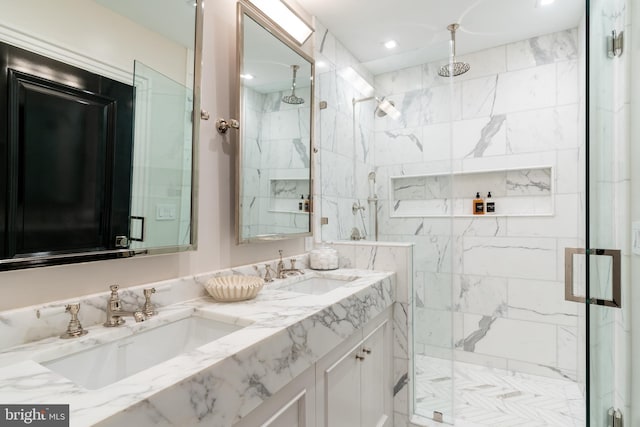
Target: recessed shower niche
[{"x": 526, "y": 191}]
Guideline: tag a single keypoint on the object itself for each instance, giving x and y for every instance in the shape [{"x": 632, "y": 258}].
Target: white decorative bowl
[{"x": 234, "y": 288}]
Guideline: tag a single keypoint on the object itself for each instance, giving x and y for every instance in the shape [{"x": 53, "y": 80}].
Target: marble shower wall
[
  {"x": 490, "y": 287},
  {"x": 344, "y": 137},
  {"x": 275, "y": 163}
]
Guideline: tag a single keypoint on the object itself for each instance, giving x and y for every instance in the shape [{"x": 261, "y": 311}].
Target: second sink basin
[
  {"x": 316, "y": 285},
  {"x": 108, "y": 363}
]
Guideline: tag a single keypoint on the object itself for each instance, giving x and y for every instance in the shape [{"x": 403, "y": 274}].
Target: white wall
[
  {"x": 105, "y": 38},
  {"x": 216, "y": 235}
]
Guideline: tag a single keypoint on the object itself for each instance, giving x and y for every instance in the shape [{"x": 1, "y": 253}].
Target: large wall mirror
[
  {"x": 97, "y": 135},
  {"x": 274, "y": 159}
]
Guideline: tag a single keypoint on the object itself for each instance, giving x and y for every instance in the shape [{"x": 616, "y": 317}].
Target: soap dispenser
[
  {"x": 478, "y": 205},
  {"x": 491, "y": 205}
]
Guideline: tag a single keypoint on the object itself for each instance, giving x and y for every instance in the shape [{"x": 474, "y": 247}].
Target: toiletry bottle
[
  {"x": 301, "y": 203},
  {"x": 478, "y": 205},
  {"x": 306, "y": 204},
  {"x": 491, "y": 205}
]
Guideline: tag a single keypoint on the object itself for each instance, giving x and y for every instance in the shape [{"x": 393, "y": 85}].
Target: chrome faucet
[
  {"x": 282, "y": 272},
  {"x": 115, "y": 313}
]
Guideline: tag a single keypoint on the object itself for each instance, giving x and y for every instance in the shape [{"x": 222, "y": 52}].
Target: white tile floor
[{"x": 487, "y": 397}]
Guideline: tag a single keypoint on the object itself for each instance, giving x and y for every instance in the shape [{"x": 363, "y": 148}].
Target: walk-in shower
[{"x": 494, "y": 339}]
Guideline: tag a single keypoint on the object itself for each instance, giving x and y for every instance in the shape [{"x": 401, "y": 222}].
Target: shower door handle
[{"x": 616, "y": 294}]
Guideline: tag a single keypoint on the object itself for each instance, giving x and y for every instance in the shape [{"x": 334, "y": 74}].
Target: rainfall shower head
[
  {"x": 293, "y": 99},
  {"x": 453, "y": 68}
]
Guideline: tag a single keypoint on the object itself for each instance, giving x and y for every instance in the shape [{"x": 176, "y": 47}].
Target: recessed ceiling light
[
  {"x": 391, "y": 44},
  {"x": 543, "y": 2}
]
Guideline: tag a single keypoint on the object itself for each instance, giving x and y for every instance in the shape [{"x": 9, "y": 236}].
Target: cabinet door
[
  {"x": 293, "y": 406},
  {"x": 377, "y": 393},
  {"x": 290, "y": 415},
  {"x": 342, "y": 391}
]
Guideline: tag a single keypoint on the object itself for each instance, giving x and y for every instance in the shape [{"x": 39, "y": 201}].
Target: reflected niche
[{"x": 274, "y": 162}]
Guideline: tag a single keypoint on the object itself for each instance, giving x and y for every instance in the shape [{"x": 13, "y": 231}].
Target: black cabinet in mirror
[
  {"x": 97, "y": 133},
  {"x": 67, "y": 154}
]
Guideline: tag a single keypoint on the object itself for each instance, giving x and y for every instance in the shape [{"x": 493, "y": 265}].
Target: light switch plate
[
  {"x": 165, "y": 212},
  {"x": 635, "y": 237}
]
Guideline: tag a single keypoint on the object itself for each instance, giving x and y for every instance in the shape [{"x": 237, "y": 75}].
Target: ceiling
[
  {"x": 269, "y": 61},
  {"x": 420, "y": 26}
]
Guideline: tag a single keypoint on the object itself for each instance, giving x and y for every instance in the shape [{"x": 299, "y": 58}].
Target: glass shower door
[{"x": 608, "y": 220}]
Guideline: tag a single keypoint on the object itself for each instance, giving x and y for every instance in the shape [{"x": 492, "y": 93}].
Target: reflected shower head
[
  {"x": 293, "y": 99},
  {"x": 453, "y": 68}
]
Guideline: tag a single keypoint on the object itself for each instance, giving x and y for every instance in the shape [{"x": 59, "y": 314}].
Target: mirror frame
[
  {"x": 45, "y": 259},
  {"x": 276, "y": 31}
]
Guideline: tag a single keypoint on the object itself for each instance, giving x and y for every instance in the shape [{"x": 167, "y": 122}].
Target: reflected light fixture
[
  {"x": 286, "y": 18},
  {"x": 246, "y": 76}
]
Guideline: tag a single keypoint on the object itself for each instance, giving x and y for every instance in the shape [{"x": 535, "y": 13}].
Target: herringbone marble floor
[{"x": 487, "y": 397}]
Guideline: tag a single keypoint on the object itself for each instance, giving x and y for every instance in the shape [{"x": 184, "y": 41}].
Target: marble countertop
[{"x": 283, "y": 333}]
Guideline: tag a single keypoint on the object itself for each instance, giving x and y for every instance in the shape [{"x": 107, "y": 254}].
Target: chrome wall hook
[{"x": 224, "y": 125}]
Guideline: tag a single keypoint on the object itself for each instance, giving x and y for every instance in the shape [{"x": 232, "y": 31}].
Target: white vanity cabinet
[
  {"x": 293, "y": 406},
  {"x": 354, "y": 381},
  {"x": 351, "y": 386}
]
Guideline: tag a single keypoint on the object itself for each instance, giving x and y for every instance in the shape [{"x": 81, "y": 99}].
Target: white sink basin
[
  {"x": 111, "y": 362},
  {"x": 316, "y": 285}
]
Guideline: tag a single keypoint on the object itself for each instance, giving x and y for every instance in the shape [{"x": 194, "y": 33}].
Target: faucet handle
[
  {"x": 147, "y": 308},
  {"x": 74, "y": 329},
  {"x": 293, "y": 263},
  {"x": 267, "y": 273}
]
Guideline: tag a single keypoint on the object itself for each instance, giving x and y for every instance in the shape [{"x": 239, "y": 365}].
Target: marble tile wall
[
  {"x": 276, "y": 158},
  {"x": 491, "y": 288},
  {"x": 344, "y": 137}
]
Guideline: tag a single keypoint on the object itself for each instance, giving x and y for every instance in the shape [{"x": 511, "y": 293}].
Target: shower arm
[
  {"x": 452, "y": 28},
  {"x": 293, "y": 81}
]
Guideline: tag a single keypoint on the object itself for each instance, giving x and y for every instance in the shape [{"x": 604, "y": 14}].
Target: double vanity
[{"x": 306, "y": 349}]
